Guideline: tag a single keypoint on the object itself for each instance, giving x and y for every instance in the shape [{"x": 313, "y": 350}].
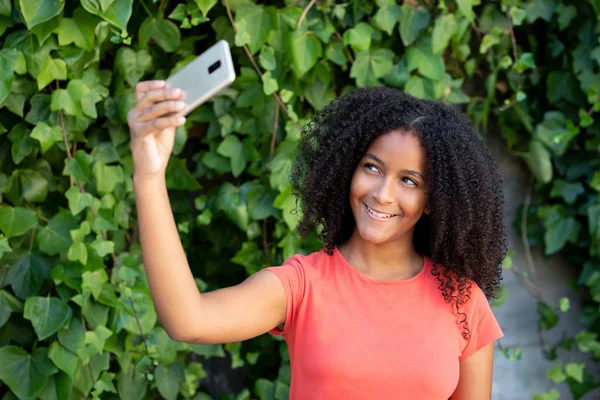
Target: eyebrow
[{"x": 408, "y": 171}]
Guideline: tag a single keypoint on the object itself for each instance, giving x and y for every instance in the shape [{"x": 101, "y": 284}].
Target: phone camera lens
[{"x": 214, "y": 67}]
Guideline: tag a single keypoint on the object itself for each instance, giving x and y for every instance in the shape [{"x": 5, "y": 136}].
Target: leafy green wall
[{"x": 76, "y": 316}]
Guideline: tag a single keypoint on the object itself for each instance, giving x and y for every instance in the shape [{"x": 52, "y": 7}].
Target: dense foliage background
[{"x": 76, "y": 316}]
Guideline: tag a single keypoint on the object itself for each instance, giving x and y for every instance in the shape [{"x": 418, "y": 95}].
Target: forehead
[{"x": 399, "y": 148}]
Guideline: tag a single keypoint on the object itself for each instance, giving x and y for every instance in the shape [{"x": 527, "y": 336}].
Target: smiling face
[{"x": 387, "y": 193}]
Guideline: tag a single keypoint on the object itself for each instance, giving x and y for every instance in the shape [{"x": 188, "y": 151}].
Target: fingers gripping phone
[{"x": 204, "y": 77}]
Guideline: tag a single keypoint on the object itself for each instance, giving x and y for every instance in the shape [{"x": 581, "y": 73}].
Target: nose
[{"x": 384, "y": 192}]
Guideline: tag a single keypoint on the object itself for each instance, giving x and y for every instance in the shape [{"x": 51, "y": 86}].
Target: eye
[
  {"x": 371, "y": 167},
  {"x": 412, "y": 182}
]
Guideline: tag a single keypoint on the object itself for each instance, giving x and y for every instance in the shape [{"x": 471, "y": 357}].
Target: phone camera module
[{"x": 214, "y": 67}]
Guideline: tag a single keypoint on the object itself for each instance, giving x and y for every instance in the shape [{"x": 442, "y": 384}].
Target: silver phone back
[{"x": 197, "y": 84}]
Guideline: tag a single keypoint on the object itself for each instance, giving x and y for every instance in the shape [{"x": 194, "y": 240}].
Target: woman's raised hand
[{"x": 152, "y": 128}]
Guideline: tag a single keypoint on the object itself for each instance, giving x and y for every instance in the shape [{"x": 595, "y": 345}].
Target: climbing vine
[{"x": 76, "y": 316}]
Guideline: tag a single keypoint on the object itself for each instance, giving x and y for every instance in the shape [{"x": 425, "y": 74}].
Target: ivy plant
[{"x": 76, "y": 316}]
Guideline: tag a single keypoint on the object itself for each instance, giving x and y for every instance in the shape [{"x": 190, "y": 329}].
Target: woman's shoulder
[{"x": 309, "y": 260}]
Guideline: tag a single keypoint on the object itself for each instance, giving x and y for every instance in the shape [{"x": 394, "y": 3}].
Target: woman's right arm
[{"x": 232, "y": 314}]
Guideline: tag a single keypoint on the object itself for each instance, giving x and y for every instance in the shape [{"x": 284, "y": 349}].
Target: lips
[{"x": 378, "y": 214}]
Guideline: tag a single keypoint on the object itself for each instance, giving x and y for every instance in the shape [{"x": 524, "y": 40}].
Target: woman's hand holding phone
[{"x": 152, "y": 127}]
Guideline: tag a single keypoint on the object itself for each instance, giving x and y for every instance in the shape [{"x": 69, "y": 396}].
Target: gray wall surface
[{"x": 521, "y": 380}]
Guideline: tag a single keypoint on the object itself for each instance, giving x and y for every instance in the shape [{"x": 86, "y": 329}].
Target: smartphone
[{"x": 204, "y": 77}]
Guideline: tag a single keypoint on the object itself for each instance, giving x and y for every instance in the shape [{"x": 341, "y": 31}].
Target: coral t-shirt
[{"x": 353, "y": 337}]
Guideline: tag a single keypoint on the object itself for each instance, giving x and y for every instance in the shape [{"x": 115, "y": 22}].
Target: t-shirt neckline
[{"x": 365, "y": 278}]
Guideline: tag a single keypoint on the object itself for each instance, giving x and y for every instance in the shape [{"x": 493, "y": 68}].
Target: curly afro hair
[{"x": 464, "y": 233}]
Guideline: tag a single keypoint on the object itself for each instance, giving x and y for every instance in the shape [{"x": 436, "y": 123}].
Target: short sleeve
[
  {"x": 483, "y": 326},
  {"x": 291, "y": 275}
]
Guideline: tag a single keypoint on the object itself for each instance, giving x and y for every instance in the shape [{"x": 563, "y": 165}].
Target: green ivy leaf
[
  {"x": 562, "y": 85},
  {"x": 565, "y": 304},
  {"x": 386, "y": 17},
  {"x": 34, "y": 187},
  {"x": 270, "y": 85},
  {"x": 412, "y": 22},
  {"x": 78, "y": 30},
  {"x": 131, "y": 64},
  {"x": 489, "y": 40},
  {"x": 164, "y": 32},
  {"x": 105, "y": 221},
  {"x": 559, "y": 229},
  {"x": 232, "y": 148},
  {"x": 22, "y": 144},
  {"x": 267, "y": 58},
  {"x": 422, "y": 58},
  {"x": 27, "y": 271},
  {"x": 250, "y": 257},
  {"x": 230, "y": 201},
  {"x": 131, "y": 385},
  {"x": 144, "y": 308},
  {"x": 335, "y": 53},
  {"x": 525, "y": 62},
  {"x": 8, "y": 305},
  {"x": 16, "y": 221},
  {"x": 93, "y": 281},
  {"x": 371, "y": 65},
  {"x": 168, "y": 380},
  {"x": 8, "y": 63},
  {"x": 5, "y": 8},
  {"x": 25, "y": 374},
  {"x": 4, "y": 246},
  {"x": 548, "y": 317},
  {"x": 96, "y": 339},
  {"x": 260, "y": 201},
  {"x": 78, "y": 201},
  {"x": 359, "y": 37},
  {"x": 444, "y": 29},
  {"x": 553, "y": 132},
  {"x": 65, "y": 360},
  {"x": 304, "y": 49},
  {"x": 116, "y": 12},
  {"x": 575, "y": 371},
  {"x": 540, "y": 9},
  {"x": 286, "y": 202},
  {"x": 62, "y": 100},
  {"x": 538, "y": 160},
  {"x": 55, "y": 237},
  {"x": 555, "y": 374},
  {"x": 107, "y": 177},
  {"x": 103, "y": 247},
  {"x": 466, "y": 7},
  {"x": 38, "y": 11},
  {"x": 79, "y": 166},
  {"x": 254, "y": 23},
  {"x": 45, "y": 29},
  {"x": 178, "y": 176},
  {"x": 517, "y": 15},
  {"x": 205, "y": 5},
  {"x": 281, "y": 165},
  {"x": 46, "y": 135},
  {"x": 20, "y": 91},
  {"x": 566, "y": 14},
  {"x": 47, "y": 315}
]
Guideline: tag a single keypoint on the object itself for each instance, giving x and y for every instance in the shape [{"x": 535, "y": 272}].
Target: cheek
[
  {"x": 359, "y": 186},
  {"x": 415, "y": 202}
]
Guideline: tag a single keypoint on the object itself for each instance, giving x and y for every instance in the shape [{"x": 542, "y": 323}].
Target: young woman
[{"x": 395, "y": 304}]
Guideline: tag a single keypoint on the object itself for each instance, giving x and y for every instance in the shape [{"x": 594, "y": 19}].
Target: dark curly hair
[{"x": 464, "y": 232}]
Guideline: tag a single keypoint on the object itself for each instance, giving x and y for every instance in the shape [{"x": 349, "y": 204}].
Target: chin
[{"x": 373, "y": 237}]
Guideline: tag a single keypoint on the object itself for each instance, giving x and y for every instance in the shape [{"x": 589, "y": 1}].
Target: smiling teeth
[{"x": 380, "y": 215}]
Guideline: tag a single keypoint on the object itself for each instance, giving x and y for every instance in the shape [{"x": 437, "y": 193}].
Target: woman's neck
[{"x": 388, "y": 261}]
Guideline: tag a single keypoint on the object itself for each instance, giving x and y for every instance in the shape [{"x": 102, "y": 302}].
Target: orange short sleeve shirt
[{"x": 352, "y": 337}]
